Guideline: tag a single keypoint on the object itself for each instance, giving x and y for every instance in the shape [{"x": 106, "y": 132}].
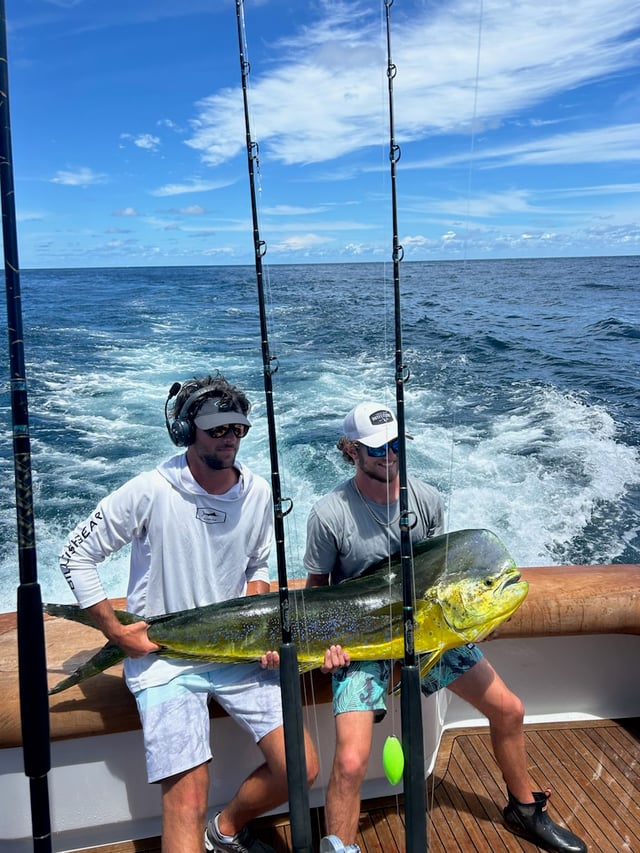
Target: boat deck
[{"x": 594, "y": 768}]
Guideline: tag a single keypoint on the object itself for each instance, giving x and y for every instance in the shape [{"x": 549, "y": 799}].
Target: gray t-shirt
[{"x": 347, "y": 533}]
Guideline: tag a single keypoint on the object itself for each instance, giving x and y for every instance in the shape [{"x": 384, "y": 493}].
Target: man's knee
[
  {"x": 351, "y": 764},
  {"x": 516, "y": 709},
  {"x": 509, "y": 713},
  {"x": 187, "y": 792}
]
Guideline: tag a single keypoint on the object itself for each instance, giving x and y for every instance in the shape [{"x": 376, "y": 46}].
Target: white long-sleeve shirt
[{"x": 188, "y": 549}]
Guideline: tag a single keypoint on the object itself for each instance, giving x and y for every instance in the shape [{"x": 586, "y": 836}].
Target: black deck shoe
[{"x": 532, "y": 821}]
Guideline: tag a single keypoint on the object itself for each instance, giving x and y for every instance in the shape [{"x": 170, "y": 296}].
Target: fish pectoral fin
[
  {"x": 426, "y": 662},
  {"x": 429, "y": 661},
  {"x": 389, "y": 612}
]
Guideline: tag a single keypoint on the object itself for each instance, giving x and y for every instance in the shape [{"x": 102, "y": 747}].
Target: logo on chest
[{"x": 210, "y": 516}]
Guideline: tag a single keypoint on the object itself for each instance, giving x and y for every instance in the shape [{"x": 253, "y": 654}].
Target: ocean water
[{"x": 524, "y": 397}]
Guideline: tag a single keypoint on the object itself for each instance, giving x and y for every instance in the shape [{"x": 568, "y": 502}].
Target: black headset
[{"x": 181, "y": 429}]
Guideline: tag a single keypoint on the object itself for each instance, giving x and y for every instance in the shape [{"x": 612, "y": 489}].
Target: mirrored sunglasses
[
  {"x": 239, "y": 430},
  {"x": 383, "y": 449}
]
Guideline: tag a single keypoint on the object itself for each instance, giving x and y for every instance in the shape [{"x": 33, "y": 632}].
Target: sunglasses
[
  {"x": 239, "y": 430},
  {"x": 378, "y": 452}
]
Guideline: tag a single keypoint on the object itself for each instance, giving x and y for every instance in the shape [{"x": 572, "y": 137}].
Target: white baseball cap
[{"x": 371, "y": 424}]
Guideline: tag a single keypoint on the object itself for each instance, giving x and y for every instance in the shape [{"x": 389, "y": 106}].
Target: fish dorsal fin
[
  {"x": 381, "y": 566},
  {"x": 81, "y": 615}
]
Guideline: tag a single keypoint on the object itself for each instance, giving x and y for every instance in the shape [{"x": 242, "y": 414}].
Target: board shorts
[
  {"x": 452, "y": 664},
  {"x": 175, "y": 716},
  {"x": 363, "y": 685}
]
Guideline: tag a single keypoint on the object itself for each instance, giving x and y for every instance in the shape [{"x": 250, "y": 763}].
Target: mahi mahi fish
[{"x": 465, "y": 582}]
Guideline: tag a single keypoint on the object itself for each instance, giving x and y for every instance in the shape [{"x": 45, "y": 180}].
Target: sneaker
[
  {"x": 332, "y": 844},
  {"x": 532, "y": 821},
  {"x": 242, "y": 842}
]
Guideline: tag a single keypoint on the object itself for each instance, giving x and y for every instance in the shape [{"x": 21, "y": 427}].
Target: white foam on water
[
  {"x": 538, "y": 477},
  {"x": 542, "y": 467}
]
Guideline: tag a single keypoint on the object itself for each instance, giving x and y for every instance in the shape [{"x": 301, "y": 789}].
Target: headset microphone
[
  {"x": 172, "y": 393},
  {"x": 181, "y": 430}
]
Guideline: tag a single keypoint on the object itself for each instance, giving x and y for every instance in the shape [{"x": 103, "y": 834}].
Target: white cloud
[
  {"x": 530, "y": 52},
  {"x": 147, "y": 141},
  {"x": 299, "y": 243},
  {"x": 82, "y": 177},
  {"x": 29, "y": 216},
  {"x": 194, "y": 185},
  {"x": 292, "y": 210},
  {"x": 618, "y": 143},
  {"x": 126, "y": 211}
]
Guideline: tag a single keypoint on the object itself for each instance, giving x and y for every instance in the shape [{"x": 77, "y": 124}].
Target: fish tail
[{"x": 109, "y": 655}]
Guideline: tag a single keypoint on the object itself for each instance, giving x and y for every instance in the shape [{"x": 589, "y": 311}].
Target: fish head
[
  {"x": 473, "y": 607},
  {"x": 478, "y": 585}
]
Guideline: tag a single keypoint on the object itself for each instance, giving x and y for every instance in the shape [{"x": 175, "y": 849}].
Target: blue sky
[{"x": 518, "y": 121}]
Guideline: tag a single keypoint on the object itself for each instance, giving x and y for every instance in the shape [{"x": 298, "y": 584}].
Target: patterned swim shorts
[
  {"x": 361, "y": 686},
  {"x": 452, "y": 664}
]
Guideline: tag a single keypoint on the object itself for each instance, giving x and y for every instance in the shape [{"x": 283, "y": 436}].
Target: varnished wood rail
[{"x": 562, "y": 600}]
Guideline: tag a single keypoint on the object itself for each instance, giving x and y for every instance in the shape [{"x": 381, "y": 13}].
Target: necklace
[{"x": 367, "y": 504}]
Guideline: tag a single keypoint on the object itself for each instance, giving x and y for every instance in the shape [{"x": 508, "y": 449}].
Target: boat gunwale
[{"x": 562, "y": 601}]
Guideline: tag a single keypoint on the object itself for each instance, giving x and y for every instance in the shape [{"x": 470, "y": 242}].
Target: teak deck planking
[{"x": 593, "y": 768}]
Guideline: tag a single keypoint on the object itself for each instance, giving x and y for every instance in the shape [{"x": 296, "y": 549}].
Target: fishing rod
[
  {"x": 32, "y": 664},
  {"x": 415, "y": 800},
  {"x": 289, "y": 673}
]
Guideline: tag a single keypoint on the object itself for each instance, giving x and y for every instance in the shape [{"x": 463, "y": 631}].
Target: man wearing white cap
[
  {"x": 200, "y": 527},
  {"x": 351, "y": 528}
]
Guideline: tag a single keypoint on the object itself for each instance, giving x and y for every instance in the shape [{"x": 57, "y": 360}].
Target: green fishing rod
[
  {"x": 289, "y": 673},
  {"x": 32, "y": 664},
  {"x": 415, "y": 800}
]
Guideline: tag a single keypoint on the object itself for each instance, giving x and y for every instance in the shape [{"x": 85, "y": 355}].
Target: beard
[{"x": 218, "y": 463}]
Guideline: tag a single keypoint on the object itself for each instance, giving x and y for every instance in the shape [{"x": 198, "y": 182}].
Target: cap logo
[{"x": 383, "y": 416}]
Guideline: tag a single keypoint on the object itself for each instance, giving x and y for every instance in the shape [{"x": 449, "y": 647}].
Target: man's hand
[
  {"x": 334, "y": 658},
  {"x": 270, "y": 660},
  {"x": 132, "y": 639}
]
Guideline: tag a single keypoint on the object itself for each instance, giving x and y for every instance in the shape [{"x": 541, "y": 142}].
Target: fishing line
[
  {"x": 289, "y": 675},
  {"x": 387, "y": 350},
  {"x": 32, "y": 663},
  {"x": 410, "y": 697},
  {"x": 472, "y": 141},
  {"x": 298, "y": 613},
  {"x": 472, "y": 135},
  {"x": 454, "y": 420}
]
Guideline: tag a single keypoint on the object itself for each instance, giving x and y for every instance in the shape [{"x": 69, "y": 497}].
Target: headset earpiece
[{"x": 181, "y": 429}]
